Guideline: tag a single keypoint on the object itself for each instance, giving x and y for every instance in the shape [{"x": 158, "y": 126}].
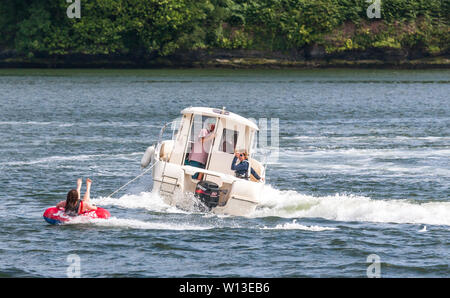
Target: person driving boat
[{"x": 198, "y": 156}]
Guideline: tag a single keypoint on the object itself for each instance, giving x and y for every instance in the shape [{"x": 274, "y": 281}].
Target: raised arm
[
  {"x": 241, "y": 167},
  {"x": 233, "y": 163},
  {"x": 209, "y": 137}
]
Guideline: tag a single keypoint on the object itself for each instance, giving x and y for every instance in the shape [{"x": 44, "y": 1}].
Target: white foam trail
[
  {"x": 24, "y": 123},
  {"x": 114, "y": 222},
  {"x": 295, "y": 226},
  {"x": 145, "y": 225},
  {"x": 290, "y": 204},
  {"x": 153, "y": 202},
  {"x": 144, "y": 200}
]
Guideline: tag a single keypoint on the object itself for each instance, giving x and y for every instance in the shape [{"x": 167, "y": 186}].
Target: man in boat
[
  {"x": 241, "y": 169},
  {"x": 199, "y": 156}
]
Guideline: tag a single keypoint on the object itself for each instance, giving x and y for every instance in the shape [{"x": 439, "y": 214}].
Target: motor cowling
[{"x": 208, "y": 193}]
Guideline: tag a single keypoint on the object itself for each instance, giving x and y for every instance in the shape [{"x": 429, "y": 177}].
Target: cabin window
[
  {"x": 176, "y": 128},
  {"x": 229, "y": 140}
]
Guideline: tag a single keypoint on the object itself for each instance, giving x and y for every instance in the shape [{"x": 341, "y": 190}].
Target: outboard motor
[{"x": 208, "y": 193}]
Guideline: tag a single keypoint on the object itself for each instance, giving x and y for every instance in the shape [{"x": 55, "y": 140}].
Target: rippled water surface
[{"x": 363, "y": 169}]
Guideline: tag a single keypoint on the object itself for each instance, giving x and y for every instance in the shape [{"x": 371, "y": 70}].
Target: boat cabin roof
[{"x": 221, "y": 113}]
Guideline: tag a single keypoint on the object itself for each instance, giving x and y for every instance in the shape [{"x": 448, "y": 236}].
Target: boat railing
[{"x": 174, "y": 127}]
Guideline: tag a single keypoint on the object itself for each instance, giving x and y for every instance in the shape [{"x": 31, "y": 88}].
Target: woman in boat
[
  {"x": 241, "y": 169},
  {"x": 73, "y": 206}
]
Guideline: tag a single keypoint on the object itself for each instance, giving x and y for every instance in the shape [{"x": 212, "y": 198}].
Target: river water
[{"x": 363, "y": 169}]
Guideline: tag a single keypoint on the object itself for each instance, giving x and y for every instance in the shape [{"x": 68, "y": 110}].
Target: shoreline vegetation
[
  {"x": 227, "y": 59},
  {"x": 410, "y": 34}
]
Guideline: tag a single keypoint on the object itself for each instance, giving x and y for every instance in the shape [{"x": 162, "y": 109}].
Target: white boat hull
[
  {"x": 176, "y": 186},
  {"x": 173, "y": 179}
]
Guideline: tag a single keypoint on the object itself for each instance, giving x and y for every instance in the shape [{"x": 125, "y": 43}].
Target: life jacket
[{"x": 74, "y": 211}]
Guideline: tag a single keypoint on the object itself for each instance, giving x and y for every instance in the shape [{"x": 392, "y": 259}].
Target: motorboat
[{"x": 213, "y": 187}]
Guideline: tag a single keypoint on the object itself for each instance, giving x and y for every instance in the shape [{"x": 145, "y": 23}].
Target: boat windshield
[
  {"x": 201, "y": 128},
  {"x": 171, "y": 128},
  {"x": 176, "y": 127}
]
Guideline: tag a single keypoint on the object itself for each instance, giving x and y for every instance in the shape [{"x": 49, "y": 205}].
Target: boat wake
[
  {"x": 296, "y": 226},
  {"x": 153, "y": 202},
  {"x": 291, "y": 204},
  {"x": 145, "y": 200},
  {"x": 115, "y": 222}
]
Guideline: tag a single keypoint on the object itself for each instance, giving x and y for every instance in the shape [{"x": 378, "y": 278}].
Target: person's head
[
  {"x": 211, "y": 127},
  {"x": 72, "y": 199},
  {"x": 243, "y": 155}
]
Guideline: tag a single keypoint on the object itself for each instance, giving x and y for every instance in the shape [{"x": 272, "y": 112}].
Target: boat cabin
[{"x": 232, "y": 132}]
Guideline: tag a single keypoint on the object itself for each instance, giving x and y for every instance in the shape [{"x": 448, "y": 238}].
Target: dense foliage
[{"x": 163, "y": 27}]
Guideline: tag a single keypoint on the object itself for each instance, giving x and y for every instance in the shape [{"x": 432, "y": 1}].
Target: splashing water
[
  {"x": 291, "y": 204},
  {"x": 296, "y": 226},
  {"x": 145, "y": 200}
]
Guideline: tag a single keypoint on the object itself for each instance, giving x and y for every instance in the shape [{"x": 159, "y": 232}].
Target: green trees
[{"x": 163, "y": 27}]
